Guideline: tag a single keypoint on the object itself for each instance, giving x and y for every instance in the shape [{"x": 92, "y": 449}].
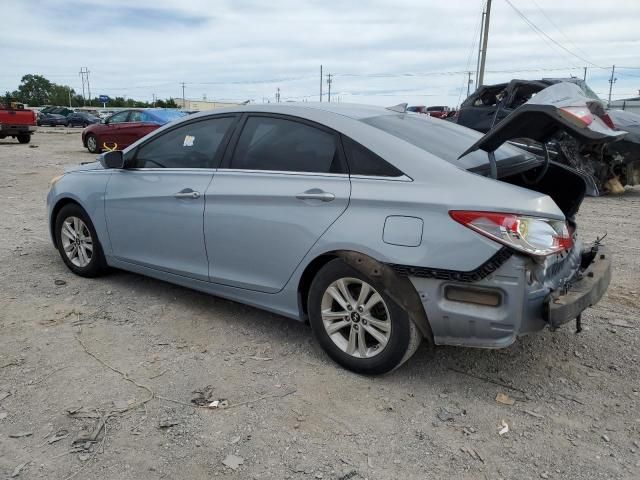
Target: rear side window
[
  {"x": 268, "y": 143},
  {"x": 363, "y": 161},
  {"x": 193, "y": 145}
]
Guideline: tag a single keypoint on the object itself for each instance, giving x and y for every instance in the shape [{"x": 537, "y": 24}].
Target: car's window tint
[
  {"x": 363, "y": 161},
  {"x": 268, "y": 143},
  {"x": 119, "y": 117},
  {"x": 193, "y": 145},
  {"x": 139, "y": 117}
]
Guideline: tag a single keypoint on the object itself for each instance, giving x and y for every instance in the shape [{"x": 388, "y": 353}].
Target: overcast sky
[{"x": 381, "y": 52}]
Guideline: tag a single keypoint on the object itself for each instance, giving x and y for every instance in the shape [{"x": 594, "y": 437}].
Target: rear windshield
[
  {"x": 166, "y": 116},
  {"x": 441, "y": 138}
]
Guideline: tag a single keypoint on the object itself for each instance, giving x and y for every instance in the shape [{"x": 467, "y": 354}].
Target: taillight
[
  {"x": 580, "y": 116},
  {"x": 534, "y": 236},
  {"x": 607, "y": 120}
]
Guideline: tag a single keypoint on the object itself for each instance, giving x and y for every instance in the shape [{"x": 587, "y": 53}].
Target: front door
[
  {"x": 111, "y": 133},
  {"x": 283, "y": 186},
  {"x": 155, "y": 206}
]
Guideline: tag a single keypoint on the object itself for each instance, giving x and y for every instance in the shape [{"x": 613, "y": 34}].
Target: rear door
[
  {"x": 154, "y": 207},
  {"x": 284, "y": 182}
]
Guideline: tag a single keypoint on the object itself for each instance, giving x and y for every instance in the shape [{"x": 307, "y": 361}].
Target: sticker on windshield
[{"x": 188, "y": 141}]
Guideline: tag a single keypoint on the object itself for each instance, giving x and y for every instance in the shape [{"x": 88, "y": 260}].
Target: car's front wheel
[
  {"x": 357, "y": 323},
  {"x": 78, "y": 243},
  {"x": 24, "y": 138},
  {"x": 92, "y": 143}
]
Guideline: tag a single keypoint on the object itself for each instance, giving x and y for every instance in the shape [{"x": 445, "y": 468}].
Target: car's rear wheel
[
  {"x": 24, "y": 138},
  {"x": 78, "y": 243},
  {"x": 92, "y": 143},
  {"x": 357, "y": 323}
]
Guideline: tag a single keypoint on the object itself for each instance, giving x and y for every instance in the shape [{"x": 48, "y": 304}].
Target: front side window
[
  {"x": 119, "y": 117},
  {"x": 193, "y": 145},
  {"x": 268, "y": 143},
  {"x": 137, "y": 116}
]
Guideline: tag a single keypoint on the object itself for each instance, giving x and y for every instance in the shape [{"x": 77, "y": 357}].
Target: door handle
[
  {"x": 187, "y": 193},
  {"x": 316, "y": 194}
]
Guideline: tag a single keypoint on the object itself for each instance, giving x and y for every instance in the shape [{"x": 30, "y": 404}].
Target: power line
[
  {"x": 541, "y": 32},
  {"x": 559, "y": 29},
  {"x": 471, "y": 50}
]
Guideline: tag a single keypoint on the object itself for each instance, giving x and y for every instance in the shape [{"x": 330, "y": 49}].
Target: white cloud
[{"x": 232, "y": 49}]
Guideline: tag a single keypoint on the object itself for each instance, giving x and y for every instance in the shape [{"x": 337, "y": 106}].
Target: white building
[{"x": 629, "y": 104}]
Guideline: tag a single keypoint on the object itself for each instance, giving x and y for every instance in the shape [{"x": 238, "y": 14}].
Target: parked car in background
[
  {"x": 606, "y": 169},
  {"x": 81, "y": 119},
  {"x": 417, "y": 109},
  {"x": 105, "y": 113},
  {"x": 51, "y": 119},
  {"x": 17, "y": 122},
  {"x": 381, "y": 228},
  {"x": 64, "y": 111},
  {"x": 126, "y": 127},
  {"x": 438, "y": 111}
]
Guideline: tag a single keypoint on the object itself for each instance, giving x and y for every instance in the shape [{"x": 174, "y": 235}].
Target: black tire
[
  {"x": 97, "y": 264},
  {"x": 404, "y": 337},
  {"x": 92, "y": 146},
  {"x": 24, "y": 138}
]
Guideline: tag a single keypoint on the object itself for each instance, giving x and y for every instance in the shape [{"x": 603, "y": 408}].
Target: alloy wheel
[
  {"x": 76, "y": 241},
  {"x": 91, "y": 143},
  {"x": 356, "y": 318}
]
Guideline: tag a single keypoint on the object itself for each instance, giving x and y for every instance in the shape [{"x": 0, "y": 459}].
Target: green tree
[
  {"x": 34, "y": 90},
  {"x": 59, "y": 94},
  {"x": 7, "y": 99}
]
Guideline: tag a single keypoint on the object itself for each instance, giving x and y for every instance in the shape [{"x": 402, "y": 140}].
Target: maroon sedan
[{"x": 123, "y": 128}]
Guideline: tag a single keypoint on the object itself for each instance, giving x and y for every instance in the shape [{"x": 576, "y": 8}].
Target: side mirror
[{"x": 113, "y": 159}]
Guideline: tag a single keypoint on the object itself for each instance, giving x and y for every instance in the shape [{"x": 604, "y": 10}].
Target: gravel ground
[{"x": 97, "y": 377}]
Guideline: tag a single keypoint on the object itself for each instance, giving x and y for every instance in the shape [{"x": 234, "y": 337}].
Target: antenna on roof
[{"x": 400, "y": 108}]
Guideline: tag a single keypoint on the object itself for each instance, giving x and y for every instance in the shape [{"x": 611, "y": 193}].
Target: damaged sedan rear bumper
[
  {"x": 586, "y": 290},
  {"x": 511, "y": 301}
]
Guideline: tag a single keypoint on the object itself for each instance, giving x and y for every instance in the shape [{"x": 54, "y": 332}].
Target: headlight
[{"x": 54, "y": 180}]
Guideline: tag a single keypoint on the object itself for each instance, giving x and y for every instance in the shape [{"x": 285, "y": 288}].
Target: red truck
[{"x": 16, "y": 122}]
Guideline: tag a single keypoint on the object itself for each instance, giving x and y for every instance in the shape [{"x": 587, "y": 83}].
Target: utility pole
[
  {"x": 329, "y": 84},
  {"x": 69, "y": 97},
  {"x": 84, "y": 76},
  {"x": 321, "y": 83},
  {"x": 278, "y": 95},
  {"x": 480, "y": 47},
  {"x": 469, "y": 82},
  {"x": 584, "y": 77},
  {"x": 184, "y": 104},
  {"x": 612, "y": 80},
  {"x": 485, "y": 41},
  {"x": 154, "y": 100}
]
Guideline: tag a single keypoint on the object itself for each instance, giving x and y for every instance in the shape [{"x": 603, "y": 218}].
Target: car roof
[{"x": 351, "y": 110}]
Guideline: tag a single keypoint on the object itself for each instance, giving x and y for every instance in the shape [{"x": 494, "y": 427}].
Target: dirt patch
[{"x": 102, "y": 374}]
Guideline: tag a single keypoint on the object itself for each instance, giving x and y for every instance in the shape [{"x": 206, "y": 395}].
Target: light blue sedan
[{"x": 361, "y": 220}]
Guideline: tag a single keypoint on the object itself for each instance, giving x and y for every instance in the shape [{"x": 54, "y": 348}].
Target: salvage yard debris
[
  {"x": 505, "y": 399},
  {"x": 232, "y": 461},
  {"x": 504, "y": 429}
]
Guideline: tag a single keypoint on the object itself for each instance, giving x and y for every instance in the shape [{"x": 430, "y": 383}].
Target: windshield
[
  {"x": 166, "y": 116},
  {"x": 443, "y": 139}
]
